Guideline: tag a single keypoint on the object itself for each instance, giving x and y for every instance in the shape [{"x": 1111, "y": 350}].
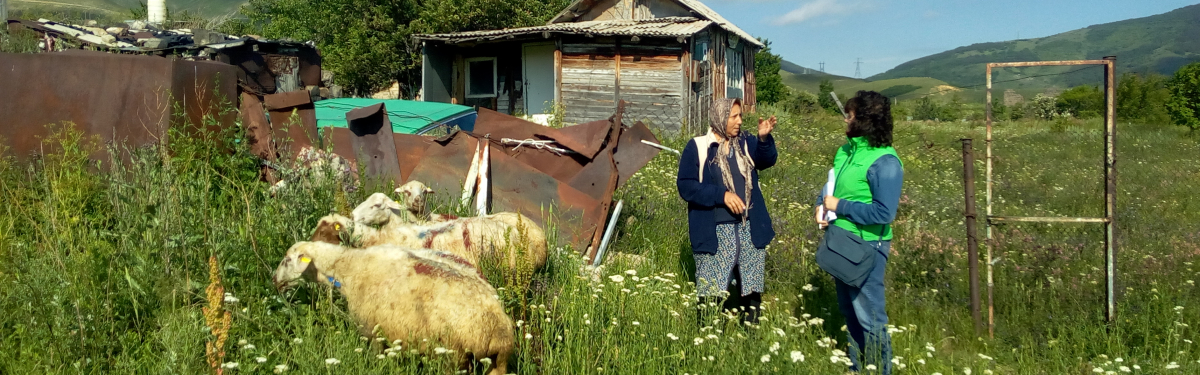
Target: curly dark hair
[{"x": 872, "y": 118}]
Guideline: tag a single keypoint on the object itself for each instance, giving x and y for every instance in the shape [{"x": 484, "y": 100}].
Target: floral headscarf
[{"x": 718, "y": 115}]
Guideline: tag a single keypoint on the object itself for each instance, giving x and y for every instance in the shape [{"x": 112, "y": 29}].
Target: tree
[
  {"x": 1081, "y": 102},
  {"x": 803, "y": 102},
  {"x": 769, "y": 87},
  {"x": 825, "y": 99},
  {"x": 1143, "y": 98},
  {"x": 1184, "y": 105},
  {"x": 1045, "y": 107},
  {"x": 927, "y": 109},
  {"x": 368, "y": 44}
]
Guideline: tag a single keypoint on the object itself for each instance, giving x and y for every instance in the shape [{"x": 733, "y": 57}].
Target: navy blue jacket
[{"x": 703, "y": 197}]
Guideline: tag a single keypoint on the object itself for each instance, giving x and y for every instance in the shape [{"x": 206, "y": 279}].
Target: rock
[
  {"x": 115, "y": 30},
  {"x": 137, "y": 25}
]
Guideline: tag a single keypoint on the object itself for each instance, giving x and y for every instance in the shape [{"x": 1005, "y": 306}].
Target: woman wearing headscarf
[
  {"x": 728, "y": 224},
  {"x": 868, "y": 179}
]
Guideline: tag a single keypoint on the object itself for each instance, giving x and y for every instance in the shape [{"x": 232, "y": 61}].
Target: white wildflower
[
  {"x": 280, "y": 368},
  {"x": 381, "y": 356},
  {"x": 1172, "y": 366},
  {"x": 229, "y": 298},
  {"x": 808, "y": 288},
  {"x": 1119, "y": 360},
  {"x": 332, "y": 362},
  {"x": 229, "y": 365},
  {"x": 528, "y": 336},
  {"x": 358, "y": 350},
  {"x": 967, "y": 370},
  {"x": 631, "y": 272},
  {"x": 297, "y": 340},
  {"x": 765, "y": 358},
  {"x": 616, "y": 278},
  {"x": 697, "y": 341},
  {"x": 672, "y": 336},
  {"x": 774, "y": 347},
  {"x": 985, "y": 357},
  {"x": 871, "y": 368},
  {"x": 248, "y": 347},
  {"x": 921, "y": 361},
  {"x": 1097, "y": 370},
  {"x": 797, "y": 356},
  {"x": 1124, "y": 369},
  {"x": 636, "y": 323},
  {"x": 243, "y": 342},
  {"x": 260, "y": 359},
  {"x": 779, "y": 331}
]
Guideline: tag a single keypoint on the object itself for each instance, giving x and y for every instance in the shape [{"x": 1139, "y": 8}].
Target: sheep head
[
  {"x": 331, "y": 228},
  {"x": 302, "y": 261},
  {"x": 377, "y": 210},
  {"x": 413, "y": 193}
]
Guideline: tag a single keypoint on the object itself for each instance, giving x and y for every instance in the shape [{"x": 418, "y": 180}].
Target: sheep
[
  {"x": 421, "y": 297},
  {"x": 413, "y": 194},
  {"x": 472, "y": 238},
  {"x": 313, "y": 163},
  {"x": 382, "y": 212}
]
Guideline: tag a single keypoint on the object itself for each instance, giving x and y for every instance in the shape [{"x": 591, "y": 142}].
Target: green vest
[{"x": 850, "y": 167}]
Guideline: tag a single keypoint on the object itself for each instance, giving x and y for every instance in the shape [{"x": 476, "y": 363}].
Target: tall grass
[{"x": 104, "y": 266}]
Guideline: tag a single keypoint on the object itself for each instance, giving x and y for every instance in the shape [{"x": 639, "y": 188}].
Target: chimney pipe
[{"x": 156, "y": 11}]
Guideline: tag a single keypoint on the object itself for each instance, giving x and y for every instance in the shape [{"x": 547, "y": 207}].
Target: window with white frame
[
  {"x": 481, "y": 77},
  {"x": 735, "y": 73}
]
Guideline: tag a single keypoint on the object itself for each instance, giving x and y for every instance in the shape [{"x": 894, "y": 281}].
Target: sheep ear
[{"x": 428, "y": 191}]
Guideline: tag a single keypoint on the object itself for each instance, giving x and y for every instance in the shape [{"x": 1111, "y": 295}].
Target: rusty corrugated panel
[
  {"x": 410, "y": 149},
  {"x": 258, "y": 132},
  {"x": 120, "y": 98},
  {"x": 632, "y": 154},
  {"x": 289, "y": 133},
  {"x": 208, "y": 91},
  {"x": 373, "y": 142},
  {"x": 517, "y": 187},
  {"x": 589, "y": 135},
  {"x": 343, "y": 143}
]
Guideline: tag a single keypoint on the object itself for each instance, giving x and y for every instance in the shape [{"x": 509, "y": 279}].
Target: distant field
[{"x": 812, "y": 82}]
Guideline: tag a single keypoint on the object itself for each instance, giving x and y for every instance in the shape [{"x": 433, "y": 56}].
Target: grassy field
[{"x": 105, "y": 269}]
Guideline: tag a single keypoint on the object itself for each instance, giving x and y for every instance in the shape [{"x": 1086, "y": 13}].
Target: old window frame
[{"x": 495, "y": 78}]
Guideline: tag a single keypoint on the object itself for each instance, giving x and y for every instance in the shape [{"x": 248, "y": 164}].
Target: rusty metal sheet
[
  {"x": 410, "y": 149},
  {"x": 258, "y": 133},
  {"x": 207, "y": 91},
  {"x": 445, "y": 164},
  {"x": 373, "y": 143},
  {"x": 342, "y": 143},
  {"x": 310, "y": 66},
  {"x": 124, "y": 99},
  {"x": 562, "y": 167},
  {"x": 631, "y": 154},
  {"x": 591, "y": 135},
  {"x": 600, "y": 177},
  {"x": 292, "y": 134},
  {"x": 500, "y": 126},
  {"x": 517, "y": 187}
]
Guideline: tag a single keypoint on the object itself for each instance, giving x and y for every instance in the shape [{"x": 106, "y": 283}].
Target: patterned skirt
[{"x": 734, "y": 248}]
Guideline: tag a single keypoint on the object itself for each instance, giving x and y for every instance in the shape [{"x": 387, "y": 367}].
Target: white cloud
[{"x": 818, "y": 8}]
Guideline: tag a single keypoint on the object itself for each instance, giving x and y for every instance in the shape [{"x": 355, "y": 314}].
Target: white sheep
[
  {"x": 473, "y": 238},
  {"x": 420, "y": 297}
]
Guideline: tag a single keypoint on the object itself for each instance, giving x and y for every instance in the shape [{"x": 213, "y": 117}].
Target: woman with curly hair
[
  {"x": 867, "y": 176},
  {"x": 729, "y": 227}
]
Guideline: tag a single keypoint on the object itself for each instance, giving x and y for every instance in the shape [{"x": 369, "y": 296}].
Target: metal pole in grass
[
  {"x": 608, "y": 232},
  {"x": 972, "y": 238},
  {"x": 1110, "y": 187},
  {"x": 991, "y": 306}
]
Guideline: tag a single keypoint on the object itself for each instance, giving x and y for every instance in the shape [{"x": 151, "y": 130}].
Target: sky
[{"x": 886, "y": 33}]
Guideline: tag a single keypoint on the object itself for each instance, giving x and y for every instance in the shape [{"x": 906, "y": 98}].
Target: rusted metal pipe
[
  {"x": 608, "y": 232},
  {"x": 1034, "y": 219},
  {"x": 1047, "y": 63},
  {"x": 1110, "y": 187},
  {"x": 991, "y": 306},
  {"x": 972, "y": 238}
]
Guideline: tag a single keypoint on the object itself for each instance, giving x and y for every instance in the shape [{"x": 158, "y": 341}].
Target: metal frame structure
[{"x": 1110, "y": 183}]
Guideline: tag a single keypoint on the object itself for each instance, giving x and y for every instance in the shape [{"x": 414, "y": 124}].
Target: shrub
[
  {"x": 1082, "y": 102},
  {"x": 1044, "y": 107},
  {"x": 1184, "y": 105},
  {"x": 1143, "y": 98}
]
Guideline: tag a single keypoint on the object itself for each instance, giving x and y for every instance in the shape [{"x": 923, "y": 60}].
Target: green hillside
[
  {"x": 1160, "y": 44},
  {"x": 902, "y": 88},
  {"x": 207, "y": 8},
  {"x": 807, "y": 79}
]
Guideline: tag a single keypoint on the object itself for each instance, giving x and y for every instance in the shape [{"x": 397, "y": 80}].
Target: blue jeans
[{"x": 866, "y": 317}]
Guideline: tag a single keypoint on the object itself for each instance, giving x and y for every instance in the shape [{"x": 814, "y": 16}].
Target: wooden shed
[{"x": 666, "y": 58}]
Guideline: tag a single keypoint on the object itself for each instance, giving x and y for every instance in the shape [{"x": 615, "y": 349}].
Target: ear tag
[
  {"x": 337, "y": 227},
  {"x": 305, "y": 259}
]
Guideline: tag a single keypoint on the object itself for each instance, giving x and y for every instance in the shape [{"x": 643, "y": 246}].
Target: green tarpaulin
[{"x": 407, "y": 116}]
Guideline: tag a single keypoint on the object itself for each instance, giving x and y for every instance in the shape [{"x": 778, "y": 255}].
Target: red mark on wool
[
  {"x": 424, "y": 269},
  {"x": 466, "y": 239}
]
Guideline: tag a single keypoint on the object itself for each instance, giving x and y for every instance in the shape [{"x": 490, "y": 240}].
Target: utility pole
[{"x": 858, "y": 68}]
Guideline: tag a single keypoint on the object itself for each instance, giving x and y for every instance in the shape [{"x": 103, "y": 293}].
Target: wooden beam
[{"x": 558, "y": 71}]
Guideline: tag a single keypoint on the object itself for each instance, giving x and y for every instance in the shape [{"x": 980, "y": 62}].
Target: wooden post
[
  {"x": 558, "y": 72},
  {"x": 617, "y": 78}
]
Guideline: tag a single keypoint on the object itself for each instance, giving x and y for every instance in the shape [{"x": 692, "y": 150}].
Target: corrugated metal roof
[
  {"x": 570, "y": 12},
  {"x": 658, "y": 27}
]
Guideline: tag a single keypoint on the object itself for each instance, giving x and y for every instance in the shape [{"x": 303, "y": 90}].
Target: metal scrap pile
[{"x": 565, "y": 177}]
